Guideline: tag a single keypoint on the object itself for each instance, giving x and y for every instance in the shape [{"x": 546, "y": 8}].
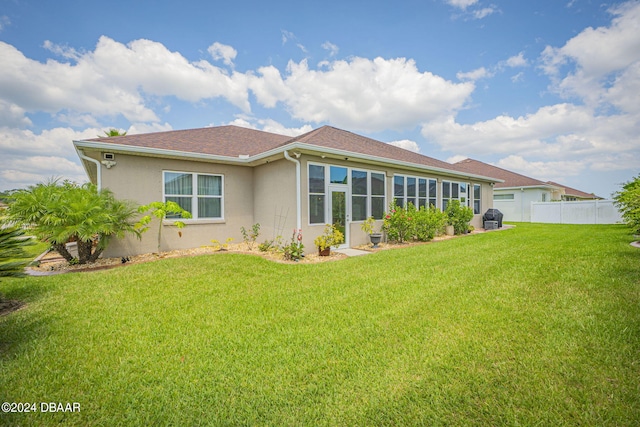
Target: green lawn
[{"x": 538, "y": 325}]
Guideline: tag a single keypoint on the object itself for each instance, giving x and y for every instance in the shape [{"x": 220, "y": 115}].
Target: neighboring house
[
  {"x": 514, "y": 195},
  {"x": 229, "y": 177},
  {"x": 569, "y": 194}
]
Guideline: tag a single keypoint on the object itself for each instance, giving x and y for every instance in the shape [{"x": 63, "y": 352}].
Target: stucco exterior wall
[
  {"x": 274, "y": 193},
  {"x": 139, "y": 179},
  {"x": 264, "y": 194}
]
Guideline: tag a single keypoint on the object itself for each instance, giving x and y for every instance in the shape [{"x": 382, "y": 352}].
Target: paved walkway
[{"x": 352, "y": 252}]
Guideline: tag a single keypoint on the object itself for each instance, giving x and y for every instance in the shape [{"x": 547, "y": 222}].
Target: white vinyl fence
[{"x": 583, "y": 212}]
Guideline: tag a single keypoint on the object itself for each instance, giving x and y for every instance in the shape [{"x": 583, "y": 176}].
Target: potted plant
[
  {"x": 331, "y": 236},
  {"x": 367, "y": 227},
  {"x": 458, "y": 217}
]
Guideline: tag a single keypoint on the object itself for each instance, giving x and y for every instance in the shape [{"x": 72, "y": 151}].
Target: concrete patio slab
[{"x": 352, "y": 252}]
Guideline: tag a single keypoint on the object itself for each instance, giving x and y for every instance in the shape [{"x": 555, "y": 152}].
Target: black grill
[{"x": 493, "y": 215}]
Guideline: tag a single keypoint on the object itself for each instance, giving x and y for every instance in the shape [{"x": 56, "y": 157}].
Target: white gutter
[
  {"x": 298, "y": 202},
  {"x": 97, "y": 163}
]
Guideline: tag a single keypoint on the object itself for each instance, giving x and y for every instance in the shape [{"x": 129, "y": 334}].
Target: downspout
[
  {"x": 298, "y": 202},
  {"x": 97, "y": 163}
]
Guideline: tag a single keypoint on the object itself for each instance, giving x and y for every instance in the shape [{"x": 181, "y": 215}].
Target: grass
[{"x": 538, "y": 325}]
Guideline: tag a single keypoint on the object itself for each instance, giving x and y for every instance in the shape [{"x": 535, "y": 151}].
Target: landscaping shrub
[
  {"x": 59, "y": 213},
  {"x": 458, "y": 216},
  {"x": 628, "y": 201},
  {"x": 397, "y": 222},
  {"x": 429, "y": 222}
]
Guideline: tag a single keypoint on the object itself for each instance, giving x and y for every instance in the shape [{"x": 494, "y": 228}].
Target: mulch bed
[{"x": 52, "y": 263}]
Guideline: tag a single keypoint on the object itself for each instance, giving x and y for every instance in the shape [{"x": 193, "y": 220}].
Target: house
[
  {"x": 569, "y": 194},
  {"x": 230, "y": 177},
  {"x": 513, "y": 196}
]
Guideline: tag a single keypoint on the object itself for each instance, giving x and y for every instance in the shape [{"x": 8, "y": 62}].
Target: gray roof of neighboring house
[{"x": 573, "y": 192}]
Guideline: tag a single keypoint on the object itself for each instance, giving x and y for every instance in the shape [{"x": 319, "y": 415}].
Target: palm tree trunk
[
  {"x": 61, "y": 248},
  {"x": 84, "y": 251}
]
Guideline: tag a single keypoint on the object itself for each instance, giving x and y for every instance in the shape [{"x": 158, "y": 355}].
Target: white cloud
[
  {"x": 517, "y": 61},
  {"x": 12, "y": 115},
  {"x": 269, "y": 125},
  {"x": 518, "y": 77},
  {"x": 138, "y": 128},
  {"x": 407, "y": 144},
  {"x": 542, "y": 170},
  {"x": 221, "y": 51},
  {"x": 29, "y": 158},
  {"x": 361, "y": 94},
  {"x": 472, "y": 9},
  {"x": 484, "y": 12},
  {"x": 600, "y": 70},
  {"x": 114, "y": 79},
  {"x": 595, "y": 56},
  {"x": 4, "y": 22},
  {"x": 286, "y": 36},
  {"x": 332, "y": 48},
  {"x": 461, "y": 4},
  {"x": 477, "y": 74}
]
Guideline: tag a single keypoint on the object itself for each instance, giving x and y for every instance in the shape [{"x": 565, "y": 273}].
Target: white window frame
[
  {"x": 479, "y": 199},
  {"x": 327, "y": 183},
  {"x": 504, "y": 197},
  {"x": 451, "y": 182},
  {"x": 417, "y": 196},
  {"x": 325, "y": 194},
  {"x": 194, "y": 194}
]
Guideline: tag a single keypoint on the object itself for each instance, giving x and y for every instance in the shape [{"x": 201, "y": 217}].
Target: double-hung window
[
  {"x": 358, "y": 195},
  {"x": 476, "y": 198},
  {"x": 376, "y": 184},
  {"x": 316, "y": 194},
  {"x": 450, "y": 190},
  {"x": 199, "y": 194}
]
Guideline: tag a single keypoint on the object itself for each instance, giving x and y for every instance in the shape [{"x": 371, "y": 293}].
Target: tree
[
  {"x": 161, "y": 210},
  {"x": 113, "y": 132},
  {"x": 12, "y": 244},
  {"x": 628, "y": 201},
  {"x": 61, "y": 213}
]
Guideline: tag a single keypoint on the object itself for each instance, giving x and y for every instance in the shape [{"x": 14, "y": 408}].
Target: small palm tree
[
  {"x": 113, "y": 132},
  {"x": 60, "y": 213},
  {"x": 12, "y": 244}
]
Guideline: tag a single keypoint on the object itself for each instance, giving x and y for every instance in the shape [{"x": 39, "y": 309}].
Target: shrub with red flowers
[{"x": 397, "y": 222}]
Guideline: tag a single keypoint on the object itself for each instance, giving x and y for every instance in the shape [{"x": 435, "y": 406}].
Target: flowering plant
[
  {"x": 295, "y": 249},
  {"x": 331, "y": 236},
  {"x": 398, "y": 222}
]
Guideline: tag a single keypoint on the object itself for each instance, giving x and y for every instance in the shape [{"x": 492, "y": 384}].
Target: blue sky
[{"x": 548, "y": 89}]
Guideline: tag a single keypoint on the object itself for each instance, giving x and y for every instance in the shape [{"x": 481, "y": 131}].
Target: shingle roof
[
  {"x": 330, "y": 137},
  {"x": 231, "y": 141},
  {"x": 511, "y": 179},
  {"x": 573, "y": 192},
  {"x": 234, "y": 141}
]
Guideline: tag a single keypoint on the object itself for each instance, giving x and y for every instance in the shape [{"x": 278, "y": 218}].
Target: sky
[{"x": 549, "y": 89}]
